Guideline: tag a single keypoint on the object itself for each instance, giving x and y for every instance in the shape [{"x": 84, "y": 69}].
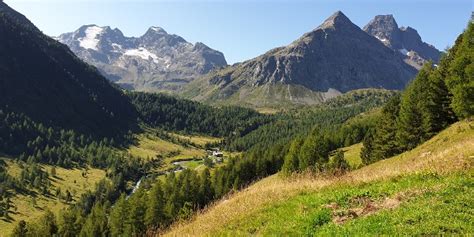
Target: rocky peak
[
  {"x": 385, "y": 28},
  {"x": 157, "y": 30},
  {"x": 336, "y": 20},
  {"x": 336, "y": 56},
  {"x": 405, "y": 40}
]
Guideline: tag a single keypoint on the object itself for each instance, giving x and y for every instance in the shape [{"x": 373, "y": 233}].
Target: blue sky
[{"x": 243, "y": 29}]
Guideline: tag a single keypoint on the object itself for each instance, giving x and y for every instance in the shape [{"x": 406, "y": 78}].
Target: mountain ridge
[
  {"x": 155, "y": 61},
  {"x": 404, "y": 40},
  {"x": 336, "y": 56}
]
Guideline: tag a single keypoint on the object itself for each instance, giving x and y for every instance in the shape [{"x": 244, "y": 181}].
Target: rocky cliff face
[
  {"x": 156, "y": 61},
  {"x": 335, "y": 57},
  {"x": 404, "y": 40}
]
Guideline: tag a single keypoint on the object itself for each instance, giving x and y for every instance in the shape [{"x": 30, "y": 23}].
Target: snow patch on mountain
[
  {"x": 142, "y": 53},
  {"x": 90, "y": 41},
  {"x": 384, "y": 40}
]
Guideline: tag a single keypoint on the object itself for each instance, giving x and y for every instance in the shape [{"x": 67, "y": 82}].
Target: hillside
[
  {"x": 30, "y": 204},
  {"x": 334, "y": 58},
  {"x": 45, "y": 81},
  {"x": 396, "y": 195}
]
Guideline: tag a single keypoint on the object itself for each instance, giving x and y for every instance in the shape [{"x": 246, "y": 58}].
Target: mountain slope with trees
[{"x": 45, "y": 81}]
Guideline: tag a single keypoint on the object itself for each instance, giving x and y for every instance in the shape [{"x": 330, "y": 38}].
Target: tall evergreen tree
[
  {"x": 314, "y": 152},
  {"x": 412, "y": 109},
  {"x": 460, "y": 80},
  {"x": 20, "y": 229},
  {"x": 291, "y": 163},
  {"x": 117, "y": 221},
  {"x": 384, "y": 142},
  {"x": 206, "y": 194},
  {"x": 96, "y": 223},
  {"x": 155, "y": 205},
  {"x": 367, "y": 151}
]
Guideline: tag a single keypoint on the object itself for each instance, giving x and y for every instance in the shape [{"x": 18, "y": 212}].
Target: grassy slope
[
  {"x": 424, "y": 191},
  {"x": 71, "y": 180},
  {"x": 150, "y": 146}
]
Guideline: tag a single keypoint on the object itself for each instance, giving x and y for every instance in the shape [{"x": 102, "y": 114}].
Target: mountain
[
  {"x": 156, "y": 61},
  {"x": 405, "y": 40},
  {"x": 334, "y": 58},
  {"x": 42, "y": 79}
]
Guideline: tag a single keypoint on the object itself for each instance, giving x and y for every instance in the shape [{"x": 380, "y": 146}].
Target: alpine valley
[{"x": 358, "y": 132}]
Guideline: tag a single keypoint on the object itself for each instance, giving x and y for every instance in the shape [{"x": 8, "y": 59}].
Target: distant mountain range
[
  {"x": 334, "y": 58},
  {"x": 156, "y": 61},
  {"x": 405, "y": 40},
  {"x": 45, "y": 81}
]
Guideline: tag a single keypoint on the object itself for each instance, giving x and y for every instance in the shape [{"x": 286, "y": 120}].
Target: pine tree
[
  {"x": 384, "y": 142},
  {"x": 410, "y": 121},
  {"x": 96, "y": 223},
  {"x": 291, "y": 163},
  {"x": 20, "y": 229},
  {"x": 46, "y": 225},
  {"x": 460, "y": 80},
  {"x": 338, "y": 162},
  {"x": 136, "y": 216},
  {"x": 314, "y": 152},
  {"x": 154, "y": 212},
  {"x": 367, "y": 152},
  {"x": 206, "y": 193},
  {"x": 68, "y": 223},
  {"x": 53, "y": 171},
  {"x": 438, "y": 113},
  {"x": 117, "y": 220}
]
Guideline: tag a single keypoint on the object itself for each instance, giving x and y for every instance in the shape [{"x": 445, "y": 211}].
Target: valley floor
[{"x": 429, "y": 190}]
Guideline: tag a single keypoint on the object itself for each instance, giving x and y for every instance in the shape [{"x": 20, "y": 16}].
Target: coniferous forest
[{"x": 102, "y": 122}]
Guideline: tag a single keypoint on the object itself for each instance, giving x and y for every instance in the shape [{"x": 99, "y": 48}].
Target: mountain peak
[
  {"x": 387, "y": 20},
  {"x": 157, "y": 30},
  {"x": 338, "y": 19},
  {"x": 403, "y": 39}
]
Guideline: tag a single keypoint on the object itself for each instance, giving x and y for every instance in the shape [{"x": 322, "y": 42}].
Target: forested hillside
[{"x": 43, "y": 80}]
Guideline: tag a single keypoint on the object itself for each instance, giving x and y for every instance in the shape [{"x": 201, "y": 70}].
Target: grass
[
  {"x": 197, "y": 139},
  {"x": 405, "y": 205},
  {"x": 65, "y": 179},
  {"x": 352, "y": 155},
  {"x": 426, "y": 191},
  {"x": 150, "y": 146}
]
